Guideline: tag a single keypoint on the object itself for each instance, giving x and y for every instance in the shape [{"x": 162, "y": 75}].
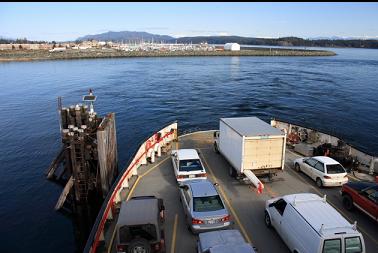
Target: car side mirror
[
  {"x": 272, "y": 204},
  {"x": 184, "y": 187},
  {"x": 216, "y": 184}
]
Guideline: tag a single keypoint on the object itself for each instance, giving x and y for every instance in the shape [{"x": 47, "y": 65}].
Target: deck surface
[{"x": 245, "y": 205}]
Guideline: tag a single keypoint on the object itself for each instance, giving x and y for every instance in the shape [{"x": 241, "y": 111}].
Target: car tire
[
  {"x": 348, "y": 202},
  {"x": 139, "y": 245},
  {"x": 216, "y": 148},
  {"x": 319, "y": 182},
  {"x": 267, "y": 220},
  {"x": 232, "y": 172},
  {"x": 297, "y": 167}
]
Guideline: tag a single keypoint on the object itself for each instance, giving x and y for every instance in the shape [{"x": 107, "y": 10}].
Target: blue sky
[{"x": 67, "y": 21}]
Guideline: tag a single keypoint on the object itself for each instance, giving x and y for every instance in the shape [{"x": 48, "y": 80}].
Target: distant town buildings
[{"x": 93, "y": 44}]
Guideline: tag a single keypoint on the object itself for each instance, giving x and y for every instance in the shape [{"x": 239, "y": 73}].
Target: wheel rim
[
  {"x": 319, "y": 182},
  {"x": 267, "y": 219},
  {"x": 297, "y": 167},
  {"x": 139, "y": 249}
]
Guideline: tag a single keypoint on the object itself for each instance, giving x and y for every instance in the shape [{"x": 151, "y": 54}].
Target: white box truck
[{"x": 251, "y": 146}]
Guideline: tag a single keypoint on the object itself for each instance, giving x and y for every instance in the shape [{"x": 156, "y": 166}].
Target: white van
[{"x": 308, "y": 224}]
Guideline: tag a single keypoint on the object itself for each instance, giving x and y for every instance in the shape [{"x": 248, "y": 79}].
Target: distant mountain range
[
  {"x": 334, "y": 41},
  {"x": 126, "y": 36}
]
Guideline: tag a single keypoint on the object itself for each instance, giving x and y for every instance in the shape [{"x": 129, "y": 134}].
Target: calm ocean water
[{"x": 336, "y": 94}]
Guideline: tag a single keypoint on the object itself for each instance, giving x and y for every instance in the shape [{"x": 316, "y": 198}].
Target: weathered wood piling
[{"x": 87, "y": 163}]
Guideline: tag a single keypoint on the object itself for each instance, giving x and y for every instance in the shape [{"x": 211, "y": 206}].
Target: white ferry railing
[{"x": 148, "y": 149}]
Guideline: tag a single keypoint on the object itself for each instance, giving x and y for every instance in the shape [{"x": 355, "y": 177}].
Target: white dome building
[{"x": 232, "y": 47}]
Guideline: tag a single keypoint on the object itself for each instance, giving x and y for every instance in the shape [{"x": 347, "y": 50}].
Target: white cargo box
[{"x": 249, "y": 143}]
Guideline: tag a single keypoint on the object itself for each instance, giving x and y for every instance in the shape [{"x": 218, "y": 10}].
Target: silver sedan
[{"x": 203, "y": 206}]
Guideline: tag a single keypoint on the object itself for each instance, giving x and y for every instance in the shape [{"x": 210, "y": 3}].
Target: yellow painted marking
[
  {"x": 225, "y": 198},
  {"x": 144, "y": 174},
  {"x": 111, "y": 241},
  {"x": 131, "y": 193},
  {"x": 173, "y": 244},
  {"x": 340, "y": 211}
]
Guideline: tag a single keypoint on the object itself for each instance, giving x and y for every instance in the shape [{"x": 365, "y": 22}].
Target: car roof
[
  {"x": 202, "y": 187},
  {"x": 326, "y": 160},
  {"x": 185, "y": 154},
  {"x": 138, "y": 211},
  {"x": 239, "y": 248},
  {"x": 221, "y": 238},
  {"x": 317, "y": 212}
]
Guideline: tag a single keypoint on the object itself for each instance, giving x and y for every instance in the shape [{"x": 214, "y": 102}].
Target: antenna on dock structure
[{"x": 90, "y": 98}]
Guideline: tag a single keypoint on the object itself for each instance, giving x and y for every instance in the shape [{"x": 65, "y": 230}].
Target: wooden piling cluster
[{"x": 88, "y": 156}]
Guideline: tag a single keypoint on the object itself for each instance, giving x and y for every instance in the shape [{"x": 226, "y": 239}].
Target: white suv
[
  {"x": 324, "y": 170},
  {"x": 187, "y": 165}
]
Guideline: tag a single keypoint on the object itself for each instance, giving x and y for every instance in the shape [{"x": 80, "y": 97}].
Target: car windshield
[
  {"x": 190, "y": 165},
  {"x": 335, "y": 168},
  {"x": 128, "y": 233},
  {"x": 208, "y": 203}
]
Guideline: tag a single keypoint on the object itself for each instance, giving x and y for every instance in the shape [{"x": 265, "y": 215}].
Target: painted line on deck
[
  {"x": 339, "y": 210},
  {"x": 130, "y": 194},
  {"x": 144, "y": 174},
  {"x": 228, "y": 203},
  {"x": 173, "y": 243}
]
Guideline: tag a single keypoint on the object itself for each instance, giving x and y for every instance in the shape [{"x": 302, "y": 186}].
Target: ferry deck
[{"x": 242, "y": 200}]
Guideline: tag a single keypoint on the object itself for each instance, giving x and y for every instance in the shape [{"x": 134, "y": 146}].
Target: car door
[
  {"x": 186, "y": 202},
  {"x": 317, "y": 170},
  {"x": 308, "y": 166},
  {"x": 369, "y": 201},
  {"x": 175, "y": 163},
  {"x": 276, "y": 213}
]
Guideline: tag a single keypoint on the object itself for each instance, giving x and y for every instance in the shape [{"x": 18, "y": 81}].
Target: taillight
[
  {"x": 181, "y": 176},
  {"x": 157, "y": 246},
  {"x": 327, "y": 177},
  {"x": 201, "y": 175},
  {"x": 226, "y": 218},
  {"x": 196, "y": 221},
  {"x": 121, "y": 247}
]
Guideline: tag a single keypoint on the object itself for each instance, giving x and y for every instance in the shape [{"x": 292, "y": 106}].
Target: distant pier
[{"x": 31, "y": 55}]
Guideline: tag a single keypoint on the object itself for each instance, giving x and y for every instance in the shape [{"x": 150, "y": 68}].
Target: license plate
[
  {"x": 211, "y": 221},
  {"x": 191, "y": 176}
]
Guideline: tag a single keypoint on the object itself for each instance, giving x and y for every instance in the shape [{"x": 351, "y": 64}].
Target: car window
[
  {"x": 332, "y": 246},
  {"x": 311, "y": 162},
  {"x": 319, "y": 166},
  {"x": 128, "y": 233},
  {"x": 280, "y": 205},
  {"x": 207, "y": 204},
  {"x": 353, "y": 245},
  {"x": 335, "y": 168},
  {"x": 190, "y": 165},
  {"x": 187, "y": 195},
  {"x": 372, "y": 194}
]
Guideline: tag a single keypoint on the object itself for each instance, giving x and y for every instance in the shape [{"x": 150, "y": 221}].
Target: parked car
[
  {"x": 363, "y": 195},
  {"x": 187, "y": 165},
  {"x": 308, "y": 224},
  {"x": 324, "y": 170},
  {"x": 203, "y": 206},
  {"x": 223, "y": 241},
  {"x": 140, "y": 225}
]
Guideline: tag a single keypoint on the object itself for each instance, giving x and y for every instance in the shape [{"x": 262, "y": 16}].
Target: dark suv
[{"x": 140, "y": 225}]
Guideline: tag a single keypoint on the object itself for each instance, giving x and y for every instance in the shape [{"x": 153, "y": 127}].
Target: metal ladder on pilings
[{"x": 81, "y": 173}]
